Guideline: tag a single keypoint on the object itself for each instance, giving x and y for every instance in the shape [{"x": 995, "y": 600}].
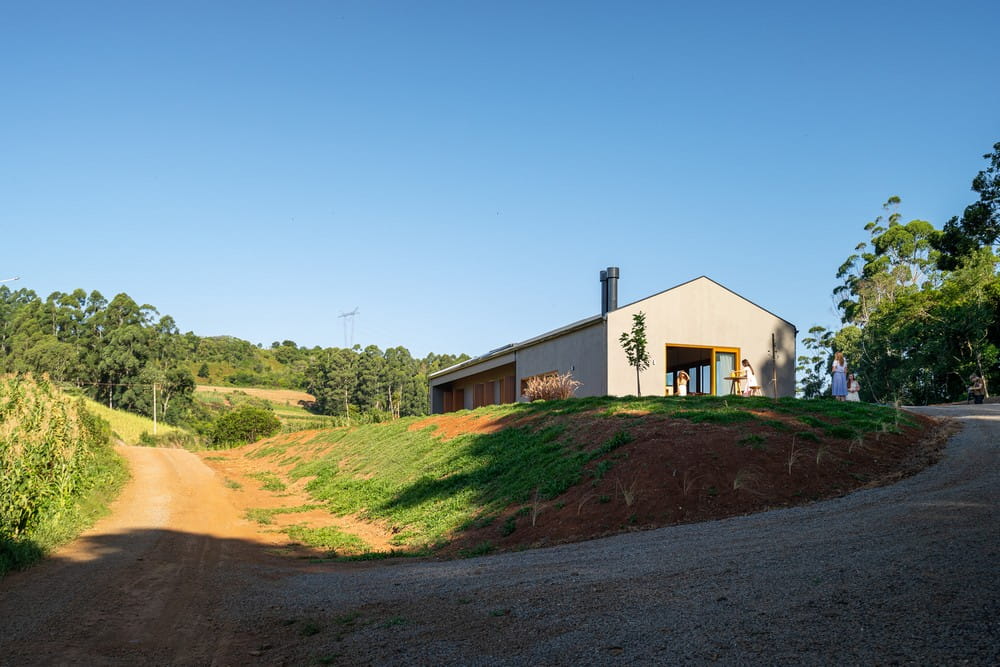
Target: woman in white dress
[
  {"x": 751, "y": 387},
  {"x": 853, "y": 387},
  {"x": 682, "y": 383}
]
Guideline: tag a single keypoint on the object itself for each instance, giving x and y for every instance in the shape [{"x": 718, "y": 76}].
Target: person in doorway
[
  {"x": 853, "y": 387},
  {"x": 839, "y": 370},
  {"x": 682, "y": 383},
  {"x": 977, "y": 388},
  {"x": 751, "y": 387}
]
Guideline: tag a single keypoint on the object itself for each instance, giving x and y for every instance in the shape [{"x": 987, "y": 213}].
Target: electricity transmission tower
[{"x": 349, "y": 317}]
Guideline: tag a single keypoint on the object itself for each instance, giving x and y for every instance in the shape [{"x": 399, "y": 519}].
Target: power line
[{"x": 346, "y": 317}]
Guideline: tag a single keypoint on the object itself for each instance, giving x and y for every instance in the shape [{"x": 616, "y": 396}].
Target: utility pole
[
  {"x": 345, "y": 317},
  {"x": 154, "y": 409}
]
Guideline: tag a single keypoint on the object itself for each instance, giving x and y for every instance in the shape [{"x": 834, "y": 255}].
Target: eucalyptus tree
[
  {"x": 406, "y": 385},
  {"x": 370, "y": 380},
  {"x": 898, "y": 258},
  {"x": 813, "y": 367},
  {"x": 330, "y": 378},
  {"x": 979, "y": 226}
]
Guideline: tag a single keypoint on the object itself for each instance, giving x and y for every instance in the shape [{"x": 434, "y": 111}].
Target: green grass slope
[
  {"x": 131, "y": 428},
  {"x": 426, "y": 486}
]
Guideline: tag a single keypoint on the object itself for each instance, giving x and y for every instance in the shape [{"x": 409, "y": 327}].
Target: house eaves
[{"x": 514, "y": 347}]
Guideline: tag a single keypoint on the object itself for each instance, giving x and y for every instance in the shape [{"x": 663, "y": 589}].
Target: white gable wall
[{"x": 700, "y": 313}]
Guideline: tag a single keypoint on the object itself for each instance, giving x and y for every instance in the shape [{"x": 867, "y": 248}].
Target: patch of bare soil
[
  {"x": 451, "y": 426},
  {"x": 671, "y": 471},
  {"x": 286, "y": 396}
]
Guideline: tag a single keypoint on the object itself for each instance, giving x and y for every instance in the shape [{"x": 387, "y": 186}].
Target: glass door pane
[{"x": 725, "y": 364}]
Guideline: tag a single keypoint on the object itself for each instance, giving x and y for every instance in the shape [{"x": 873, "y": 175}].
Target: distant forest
[{"x": 116, "y": 351}]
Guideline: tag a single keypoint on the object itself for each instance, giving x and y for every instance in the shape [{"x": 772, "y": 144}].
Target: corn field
[{"x": 48, "y": 446}]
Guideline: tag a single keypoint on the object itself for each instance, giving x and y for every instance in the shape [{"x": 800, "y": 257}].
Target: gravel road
[{"x": 906, "y": 574}]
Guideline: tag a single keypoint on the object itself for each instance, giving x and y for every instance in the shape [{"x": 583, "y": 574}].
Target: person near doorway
[
  {"x": 682, "y": 383},
  {"x": 839, "y": 370},
  {"x": 752, "y": 387}
]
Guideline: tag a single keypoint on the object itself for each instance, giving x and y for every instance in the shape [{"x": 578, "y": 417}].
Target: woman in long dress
[
  {"x": 839, "y": 370},
  {"x": 853, "y": 387},
  {"x": 750, "y": 378}
]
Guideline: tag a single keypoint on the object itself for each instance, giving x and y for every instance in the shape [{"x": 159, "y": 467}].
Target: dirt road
[
  {"x": 142, "y": 586},
  {"x": 901, "y": 574}
]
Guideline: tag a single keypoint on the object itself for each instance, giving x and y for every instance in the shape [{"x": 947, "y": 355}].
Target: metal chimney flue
[
  {"x": 604, "y": 292},
  {"x": 609, "y": 290},
  {"x": 612, "y": 288}
]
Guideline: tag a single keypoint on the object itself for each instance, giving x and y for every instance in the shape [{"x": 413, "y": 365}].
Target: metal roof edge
[{"x": 513, "y": 347}]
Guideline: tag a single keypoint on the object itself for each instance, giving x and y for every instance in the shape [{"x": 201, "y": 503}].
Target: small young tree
[{"x": 634, "y": 344}]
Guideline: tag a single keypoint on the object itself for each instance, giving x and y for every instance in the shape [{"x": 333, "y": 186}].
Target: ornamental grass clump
[{"x": 550, "y": 387}]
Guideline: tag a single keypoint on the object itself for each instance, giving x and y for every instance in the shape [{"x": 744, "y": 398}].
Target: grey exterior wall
[
  {"x": 581, "y": 352},
  {"x": 702, "y": 313}
]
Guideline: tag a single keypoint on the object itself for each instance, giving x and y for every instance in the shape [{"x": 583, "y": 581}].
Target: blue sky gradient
[{"x": 460, "y": 172}]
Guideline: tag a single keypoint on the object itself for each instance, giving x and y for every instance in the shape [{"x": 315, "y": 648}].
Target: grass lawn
[{"x": 428, "y": 480}]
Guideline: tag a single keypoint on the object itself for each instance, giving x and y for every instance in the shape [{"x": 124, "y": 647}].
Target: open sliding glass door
[{"x": 725, "y": 364}]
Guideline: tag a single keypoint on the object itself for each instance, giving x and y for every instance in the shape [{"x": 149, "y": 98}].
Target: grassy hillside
[
  {"x": 131, "y": 428},
  {"x": 507, "y": 476},
  {"x": 57, "y": 469},
  {"x": 286, "y": 404}
]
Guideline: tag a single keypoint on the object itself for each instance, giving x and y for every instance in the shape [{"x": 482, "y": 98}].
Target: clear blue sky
[{"x": 460, "y": 172}]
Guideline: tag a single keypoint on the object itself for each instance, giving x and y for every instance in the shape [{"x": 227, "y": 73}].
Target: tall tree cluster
[
  {"x": 391, "y": 383},
  {"x": 116, "y": 351},
  {"x": 920, "y": 308}
]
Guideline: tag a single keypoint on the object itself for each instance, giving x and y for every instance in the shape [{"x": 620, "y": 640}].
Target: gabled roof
[
  {"x": 582, "y": 324},
  {"x": 717, "y": 284}
]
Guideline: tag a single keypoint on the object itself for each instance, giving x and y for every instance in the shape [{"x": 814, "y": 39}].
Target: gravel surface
[{"x": 905, "y": 574}]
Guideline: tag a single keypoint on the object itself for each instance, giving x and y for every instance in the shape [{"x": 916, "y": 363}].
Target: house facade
[{"x": 698, "y": 327}]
